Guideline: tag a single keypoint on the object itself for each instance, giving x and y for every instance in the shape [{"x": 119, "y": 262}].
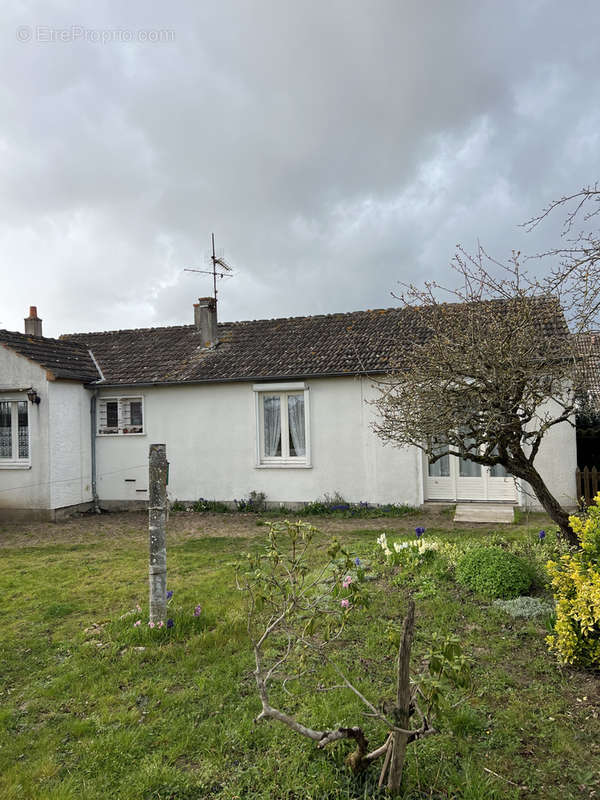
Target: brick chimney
[
  {"x": 205, "y": 319},
  {"x": 33, "y": 324}
]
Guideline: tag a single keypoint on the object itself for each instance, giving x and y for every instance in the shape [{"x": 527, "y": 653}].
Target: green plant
[
  {"x": 209, "y": 505},
  {"x": 296, "y": 612},
  {"x": 576, "y": 584},
  {"x": 526, "y": 607},
  {"x": 256, "y": 502},
  {"x": 493, "y": 572}
]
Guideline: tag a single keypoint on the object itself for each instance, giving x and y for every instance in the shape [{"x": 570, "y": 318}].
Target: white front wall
[
  {"x": 556, "y": 462},
  {"x": 210, "y": 433},
  {"x": 26, "y": 487}
]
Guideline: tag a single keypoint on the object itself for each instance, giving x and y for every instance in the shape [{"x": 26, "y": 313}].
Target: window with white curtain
[
  {"x": 120, "y": 415},
  {"x": 14, "y": 433},
  {"x": 282, "y": 425}
]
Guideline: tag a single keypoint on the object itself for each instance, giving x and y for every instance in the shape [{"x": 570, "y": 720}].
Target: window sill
[
  {"x": 283, "y": 465},
  {"x": 118, "y": 435},
  {"x": 15, "y": 464}
]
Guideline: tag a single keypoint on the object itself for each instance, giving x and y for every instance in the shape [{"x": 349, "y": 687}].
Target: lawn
[{"x": 94, "y": 707}]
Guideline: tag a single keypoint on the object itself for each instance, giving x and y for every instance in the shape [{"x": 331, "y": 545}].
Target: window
[
  {"x": 120, "y": 415},
  {"x": 14, "y": 433},
  {"x": 441, "y": 467},
  {"x": 282, "y": 425}
]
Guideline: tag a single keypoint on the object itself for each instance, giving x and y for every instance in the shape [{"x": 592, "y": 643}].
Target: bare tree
[
  {"x": 493, "y": 365},
  {"x": 297, "y": 609}
]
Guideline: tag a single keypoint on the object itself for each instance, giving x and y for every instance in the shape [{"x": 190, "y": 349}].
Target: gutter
[
  {"x": 93, "y": 404},
  {"x": 249, "y": 379}
]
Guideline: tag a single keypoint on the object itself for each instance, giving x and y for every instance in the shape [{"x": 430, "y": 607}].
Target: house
[{"x": 279, "y": 406}]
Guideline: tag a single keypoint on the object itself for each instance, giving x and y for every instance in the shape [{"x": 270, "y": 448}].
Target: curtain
[
  {"x": 23, "y": 429},
  {"x": 272, "y": 423},
  {"x": 5, "y": 430},
  {"x": 296, "y": 418}
]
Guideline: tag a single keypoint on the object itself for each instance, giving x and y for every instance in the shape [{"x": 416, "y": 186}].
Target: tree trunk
[
  {"x": 526, "y": 471},
  {"x": 157, "y": 525},
  {"x": 401, "y": 714}
]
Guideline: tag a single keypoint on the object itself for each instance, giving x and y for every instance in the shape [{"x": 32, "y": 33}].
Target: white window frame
[
  {"x": 284, "y": 461},
  {"x": 14, "y": 462},
  {"x": 120, "y": 401}
]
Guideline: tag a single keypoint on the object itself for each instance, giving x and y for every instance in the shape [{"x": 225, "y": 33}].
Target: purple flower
[
  {"x": 419, "y": 532},
  {"x": 170, "y": 623},
  {"x": 542, "y": 534},
  {"x": 169, "y": 594},
  {"x": 197, "y": 610},
  {"x": 357, "y": 561}
]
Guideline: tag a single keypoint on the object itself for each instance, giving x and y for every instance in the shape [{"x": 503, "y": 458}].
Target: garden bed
[{"x": 95, "y": 707}]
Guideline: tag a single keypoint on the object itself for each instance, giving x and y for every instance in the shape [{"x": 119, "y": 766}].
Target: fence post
[
  {"x": 157, "y": 529},
  {"x": 586, "y": 486}
]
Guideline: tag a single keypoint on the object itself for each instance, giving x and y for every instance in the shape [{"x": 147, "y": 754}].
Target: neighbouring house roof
[
  {"x": 63, "y": 359},
  {"x": 588, "y": 347},
  {"x": 358, "y": 342}
]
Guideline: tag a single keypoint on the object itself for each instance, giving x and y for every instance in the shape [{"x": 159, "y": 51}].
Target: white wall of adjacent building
[
  {"x": 58, "y": 472},
  {"x": 26, "y": 485},
  {"x": 70, "y": 436}
]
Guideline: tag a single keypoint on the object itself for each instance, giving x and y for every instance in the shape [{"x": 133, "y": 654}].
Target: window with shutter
[{"x": 119, "y": 416}]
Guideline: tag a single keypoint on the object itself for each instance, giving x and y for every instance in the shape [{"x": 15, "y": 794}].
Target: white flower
[{"x": 382, "y": 542}]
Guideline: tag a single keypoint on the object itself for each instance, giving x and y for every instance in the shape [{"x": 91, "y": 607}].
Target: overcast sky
[{"x": 334, "y": 147}]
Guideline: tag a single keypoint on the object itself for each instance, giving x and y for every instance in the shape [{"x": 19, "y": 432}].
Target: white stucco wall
[
  {"x": 26, "y": 487},
  {"x": 210, "y": 433},
  {"x": 556, "y": 462},
  {"x": 70, "y": 451}
]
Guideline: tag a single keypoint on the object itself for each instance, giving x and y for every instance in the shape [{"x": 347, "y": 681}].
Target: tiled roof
[
  {"x": 332, "y": 344},
  {"x": 351, "y": 343},
  {"x": 588, "y": 346},
  {"x": 64, "y": 359}
]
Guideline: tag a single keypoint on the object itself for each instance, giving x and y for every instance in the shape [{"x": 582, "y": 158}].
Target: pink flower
[
  {"x": 347, "y": 581},
  {"x": 345, "y": 603},
  {"x": 138, "y": 607},
  {"x": 150, "y": 624},
  {"x": 139, "y": 622},
  {"x": 160, "y": 624}
]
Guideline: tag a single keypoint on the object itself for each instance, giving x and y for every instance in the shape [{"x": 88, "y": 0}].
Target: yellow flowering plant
[{"x": 575, "y": 579}]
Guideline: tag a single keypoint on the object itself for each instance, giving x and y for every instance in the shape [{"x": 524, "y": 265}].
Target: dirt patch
[{"x": 133, "y": 526}]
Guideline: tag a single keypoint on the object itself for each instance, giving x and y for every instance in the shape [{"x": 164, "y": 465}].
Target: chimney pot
[
  {"x": 33, "y": 324},
  {"x": 205, "y": 319}
]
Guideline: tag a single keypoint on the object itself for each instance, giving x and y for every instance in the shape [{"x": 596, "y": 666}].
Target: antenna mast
[{"x": 217, "y": 261}]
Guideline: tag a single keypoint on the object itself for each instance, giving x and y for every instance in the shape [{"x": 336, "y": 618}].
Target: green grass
[{"x": 85, "y": 712}]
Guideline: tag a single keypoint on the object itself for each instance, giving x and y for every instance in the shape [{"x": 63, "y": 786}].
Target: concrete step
[{"x": 484, "y": 512}]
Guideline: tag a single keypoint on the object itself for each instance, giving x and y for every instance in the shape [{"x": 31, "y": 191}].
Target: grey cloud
[{"x": 334, "y": 148}]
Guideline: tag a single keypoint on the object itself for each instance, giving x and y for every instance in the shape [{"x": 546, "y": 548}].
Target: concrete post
[{"x": 157, "y": 525}]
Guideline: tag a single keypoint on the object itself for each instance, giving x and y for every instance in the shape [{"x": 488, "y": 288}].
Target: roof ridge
[{"x": 66, "y": 336}]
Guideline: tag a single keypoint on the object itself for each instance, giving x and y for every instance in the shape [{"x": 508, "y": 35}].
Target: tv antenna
[{"x": 220, "y": 268}]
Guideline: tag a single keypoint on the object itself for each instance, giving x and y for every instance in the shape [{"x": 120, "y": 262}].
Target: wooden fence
[{"x": 587, "y": 483}]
